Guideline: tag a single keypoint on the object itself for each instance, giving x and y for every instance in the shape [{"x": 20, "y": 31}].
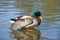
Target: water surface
[{"x": 50, "y": 9}]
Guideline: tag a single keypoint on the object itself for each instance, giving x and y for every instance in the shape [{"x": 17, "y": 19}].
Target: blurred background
[{"x": 50, "y": 9}]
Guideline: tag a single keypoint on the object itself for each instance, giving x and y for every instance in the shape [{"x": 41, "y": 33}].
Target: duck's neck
[{"x": 35, "y": 16}]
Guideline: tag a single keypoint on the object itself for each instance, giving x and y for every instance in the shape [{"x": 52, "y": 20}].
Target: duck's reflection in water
[{"x": 23, "y": 34}]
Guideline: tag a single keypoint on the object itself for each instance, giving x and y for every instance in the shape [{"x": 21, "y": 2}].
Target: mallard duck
[{"x": 28, "y": 21}]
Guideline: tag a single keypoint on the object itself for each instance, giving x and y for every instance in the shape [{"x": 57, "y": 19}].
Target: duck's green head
[{"x": 37, "y": 13}]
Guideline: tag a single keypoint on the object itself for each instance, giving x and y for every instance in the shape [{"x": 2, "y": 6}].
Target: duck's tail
[{"x": 12, "y": 20}]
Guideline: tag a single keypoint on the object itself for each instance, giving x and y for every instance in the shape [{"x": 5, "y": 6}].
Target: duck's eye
[{"x": 23, "y": 20}]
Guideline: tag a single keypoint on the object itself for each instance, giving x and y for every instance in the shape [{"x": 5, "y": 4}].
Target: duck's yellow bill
[{"x": 41, "y": 17}]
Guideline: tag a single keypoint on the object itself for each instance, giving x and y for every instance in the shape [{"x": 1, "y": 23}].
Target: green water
[{"x": 50, "y": 9}]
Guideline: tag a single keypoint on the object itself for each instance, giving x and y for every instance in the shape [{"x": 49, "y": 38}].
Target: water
[{"x": 50, "y": 9}]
